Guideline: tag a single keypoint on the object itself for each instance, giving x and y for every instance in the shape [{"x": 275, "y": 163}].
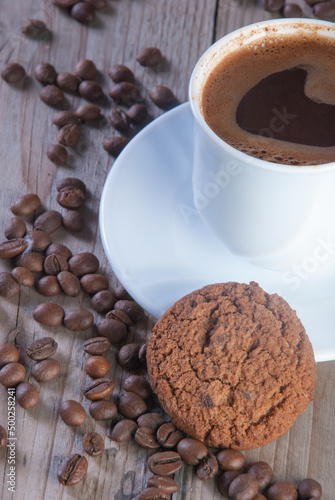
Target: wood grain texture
[{"x": 183, "y": 29}]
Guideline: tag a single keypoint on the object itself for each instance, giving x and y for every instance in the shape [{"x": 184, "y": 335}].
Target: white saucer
[{"x": 160, "y": 249}]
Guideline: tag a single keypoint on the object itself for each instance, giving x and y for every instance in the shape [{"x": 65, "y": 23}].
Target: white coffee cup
[{"x": 271, "y": 214}]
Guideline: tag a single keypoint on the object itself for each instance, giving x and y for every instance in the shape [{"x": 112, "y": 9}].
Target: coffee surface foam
[{"x": 242, "y": 69}]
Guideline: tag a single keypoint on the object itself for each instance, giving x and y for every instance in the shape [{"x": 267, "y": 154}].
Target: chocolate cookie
[{"x": 232, "y": 365}]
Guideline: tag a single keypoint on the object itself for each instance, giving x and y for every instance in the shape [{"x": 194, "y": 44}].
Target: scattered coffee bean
[
  {"x": 64, "y": 4},
  {"x": 57, "y": 154},
  {"x": 45, "y": 73},
  {"x": 93, "y": 444},
  {"x": 69, "y": 283},
  {"x": 62, "y": 118},
  {"x": 97, "y": 366},
  {"x": 27, "y": 395},
  {"x": 83, "y": 263},
  {"x": 12, "y": 374},
  {"x": 131, "y": 405},
  {"x": 152, "y": 420},
  {"x": 3, "y": 438},
  {"x": 324, "y": 10},
  {"x": 124, "y": 431},
  {"x": 72, "y": 413},
  {"x": 139, "y": 385},
  {"x": 309, "y": 489},
  {"x": 125, "y": 93},
  {"x": 262, "y": 472},
  {"x": 73, "y": 221},
  {"x": 60, "y": 250},
  {"x": 97, "y": 4},
  {"x": 230, "y": 459},
  {"x": 153, "y": 494},
  {"x": 49, "y": 314},
  {"x": 85, "y": 69},
  {"x": 119, "y": 119},
  {"x": 128, "y": 356},
  {"x": 72, "y": 470},
  {"x": 103, "y": 410},
  {"x": 208, "y": 467},
  {"x": 31, "y": 260},
  {"x": 42, "y": 348},
  {"x": 282, "y": 490},
  {"x": 122, "y": 294},
  {"x": 164, "y": 483},
  {"x": 46, "y": 370},
  {"x": 119, "y": 316},
  {"x": 68, "y": 82},
  {"x": 192, "y": 451},
  {"x": 48, "y": 286},
  {"x": 120, "y": 73},
  {"x": 103, "y": 301},
  {"x": 83, "y": 12},
  {"x": 26, "y": 204},
  {"x": 78, "y": 320},
  {"x": 243, "y": 487},
  {"x": 97, "y": 346},
  {"x": 115, "y": 331},
  {"x": 225, "y": 480},
  {"x": 293, "y": 10},
  {"x": 90, "y": 90},
  {"x": 13, "y": 73},
  {"x": 93, "y": 283},
  {"x": 165, "y": 463},
  {"x": 168, "y": 435},
  {"x": 146, "y": 438},
  {"x": 259, "y": 496},
  {"x": 23, "y": 276},
  {"x": 11, "y": 248},
  {"x": 162, "y": 96},
  {"x": 150, "y": 56},
  {"x": 69, "y": 135},
  {"x": 54, "y": 264},
  {"x": 52, "y": 95},
  {"x": 49, "y": 221},
  {"x": 98, "y": 389},
  {"x": 38, "y": 241},
  {"x": 137, "y": 113},
  {"x": 8, "y": 285},
  {"x": 8, "y": 354},
  {"x": 70, "y": 181},
  {"x": 15, "y": 228},
  {"x": 115, "y": 144},
  {"x": 273, "y": 5},
  {"x": 142, "y": 354},
  {"x": 88, "y": 112},
  {"x": 33, "y": 28},
  {"x": 130, "y": 307},
  {"x": 70, "y": 197}
]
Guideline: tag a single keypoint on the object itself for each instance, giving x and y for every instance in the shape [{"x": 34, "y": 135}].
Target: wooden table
[{"x": 183, "y": 29}]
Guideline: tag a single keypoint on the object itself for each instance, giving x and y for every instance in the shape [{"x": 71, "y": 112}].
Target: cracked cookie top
[{"x": 232, "y": 365}]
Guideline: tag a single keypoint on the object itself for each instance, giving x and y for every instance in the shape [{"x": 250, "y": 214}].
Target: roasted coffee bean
[
  {"x": 97, "y": 346},
  {"x": 153, "y": 494},
  {"x": 142, "y": 354},
  {"x": 62, "y": 118},
  {"x": 97, "y": 366},
  {"x": 13, "y": 73},
  {"x": 88, "y": 112},
  {"x": 146, "y": 438},
  {"x": 71, "y": 197},
  {"x": 54, "y": 264},
  {"x": 192, "y": 451},
  {"x": 114, "y": 330},
  {"x": 309, "y": 489},
  {"x": 38, "y": 241},
  {"x": 60, "y": 250},
  {"x": 120, "y": 73},
  {"x": 168, "y": 435},
  {"x": 68, "y": 82},
  {"x": 49, "y": 221},
  {"x": 83, "y": 263},
  {"x": 69, "y": 135},
  {"x": 139, "y": 385},
  {"x": 137, "y": 113},
  {"x": 208, "y": 467},
  {"x": 119, "y": 316},
  {"x": 324, "y": 10},
  {"x": 52, "y": 95},
  {"x": 49, "y": 314},
  {"x": 262, "y": 472},
  {"x": 8, "y": 285},
  {"x": 72, "y": 470},
  {"x": 23, "y": 276},
  {"x": 11, "y": 248},
  {"x": 114, "y": 145},
  {"x": 33, "y": 28},
  {"x": 119, "y": 119},
  {"x": 93, "y": 283},
  {"x": 69, "y": 283},
  {"x": 243, "y": 487},
  {"x": 26, "y": 204},
  {"x": 90, "y": 90},
  {"x": 78, "y": 320},
  {"x": 225, "y": 480},
  {"x": 15, "y": 228},
  {"x": 57, "y": 154},
  {"x": 83, "y": 12},
  {"x": 293, "y": 10},
  {"x": 164, "y": 483},
  {"x": 12, "y": 374},
  {"x": 98, "y": 389},
  {"x": 70, "y": 181},
  {"x": 30, "y": 260},
  {"x": 46, "y": 370},
  {"x": 3, "y": 438},
  {"x": 97, "y": 4},
  {"x": 103, "y": 410},
  {"x": 42, "y": 348},
  {"x": 124, "y": 431},
  {"x": 130, "y": 307},
  {"x": 125, "y": 93},
  {"x": 45, "y": 73},
  {"x": 230, "y": 459},
  {"x": 131, "y": 405},
  {"x": 152, "y": 420},
  {"x": 128, "y": 356},
  {"x": 165, "y": 463},
  {"x": 122, "y": 294},
  {"x": 150, "y": 56},
  {"x": 64, "y": 4},
  {"x": 273, "y": 5},
  {"x": 8, "y": 354},
  {"x": 162, "y": 96},
  {"x": 282, "y": 490},
  {"x": 259, "y": 496},
  {"x": 93, "y": 444},
  {"x": 27, "y": 395},
  {"x": 103, "y": 301},
  {"x": 72, "y": 413},
  {"x": 73, "y": 221},
  {"x": 85, "y": 69},
  {"x": 48, "y": 286}
]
